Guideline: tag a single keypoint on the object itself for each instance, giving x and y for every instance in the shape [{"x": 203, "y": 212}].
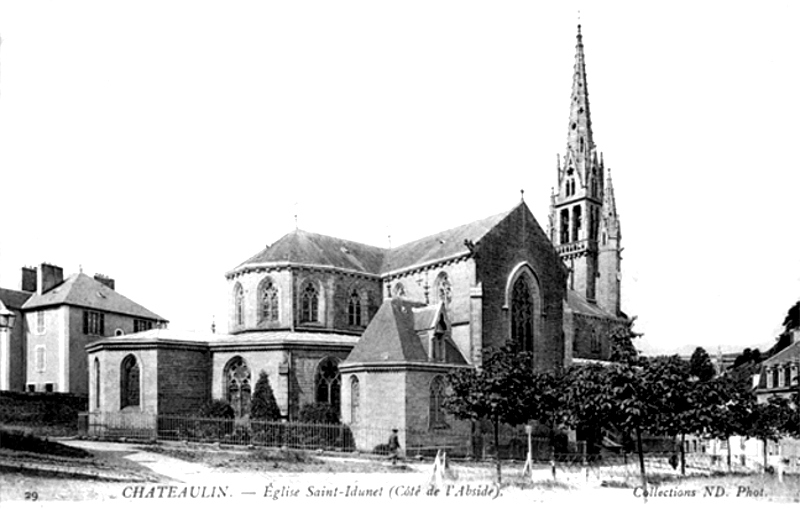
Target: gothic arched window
[
  {"x": 236, "y": 378},
  {"x": 443, "y": 289},
  {"x": 129, "y": 382},
  {"x": 327, "y": 382},
  {"x": 522, "y": 314},
  {"x": 96, "y": 383},
  {"x": 354, "y": 309},
  {"x": 437, "y": 418},
  {"x": 309, "y": 303},
  {"x": 269, "y": 301},
  {"x": 355, "y": 399},
  {"x": 238, "y": 304}
]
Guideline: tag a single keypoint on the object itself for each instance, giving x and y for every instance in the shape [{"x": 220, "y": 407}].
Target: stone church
[{"x": 373, "y": 331}]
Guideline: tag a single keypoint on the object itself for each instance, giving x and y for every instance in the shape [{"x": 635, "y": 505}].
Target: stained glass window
[{"x": 522, "y": 314}]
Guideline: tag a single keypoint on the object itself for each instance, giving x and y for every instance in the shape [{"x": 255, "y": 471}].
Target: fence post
[{"x": 584, "y": 462}]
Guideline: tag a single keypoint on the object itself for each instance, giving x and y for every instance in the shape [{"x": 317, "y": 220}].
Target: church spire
[{"x": 579, "y": 138}]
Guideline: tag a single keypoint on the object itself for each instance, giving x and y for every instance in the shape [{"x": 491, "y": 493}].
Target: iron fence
[{"x": 458, "y": 443}]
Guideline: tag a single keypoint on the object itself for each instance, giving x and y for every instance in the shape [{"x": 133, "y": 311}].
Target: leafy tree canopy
[{"x": 700, "y": 365}]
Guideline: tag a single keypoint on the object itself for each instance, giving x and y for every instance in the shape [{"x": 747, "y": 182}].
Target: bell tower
[{"x": 579, "y": 206}]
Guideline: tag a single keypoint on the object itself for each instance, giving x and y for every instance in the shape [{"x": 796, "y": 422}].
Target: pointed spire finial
[{"x": 522, "y": 195}]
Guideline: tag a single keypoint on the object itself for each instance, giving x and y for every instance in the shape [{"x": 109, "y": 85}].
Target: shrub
[
  {"x": 217, "y": 409},
  {"x": 263, "y": 406},
  {"x": 319, "y": 412}
]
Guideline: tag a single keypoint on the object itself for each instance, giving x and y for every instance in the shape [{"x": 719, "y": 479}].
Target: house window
[
  {"x": 355, "y": 399},
  {"x": 309, "y": 304},
  {"x": 522, "y": 314},
  {"x": 787, "y": 376},
  {"x": 96, "y": 383},
  {"x": 40, "y": 322},
  {"x": 327, "y": 382},
  {"x": 399, "y": 290},
  {"x": 40, "y": 358},
  {"x": 775, "y": 377},
  {"x": 31, "y": 387},
  {"x": 793, "y": 379},
  {"x": 130, "y": 377},
  {"x": 142, "y": 325},
  {"x": 781, "y": 378},
  {"x": 237, "y": 386},
  {"x": 595, "y": 341},
  {"x": 50, "y": 387},
  {"x": 93, "y": 323},
  {"x": 354, "y": 309},
  {"x": 768, "y": 374},
  {"x": 269, "y": 301},
  {"x": 437, "y": 417},
  {"x": 238, "y": 304}
]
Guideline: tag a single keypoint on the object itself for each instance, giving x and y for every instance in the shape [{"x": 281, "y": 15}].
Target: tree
[
  {"x": 769, "y": 421},
  {"x": 614, "y": 394},
  {"x": 700, "y": 365},
  {"x": 263, "y": 406},
  {"x": 504, "y": 389},
  {"x": 674, "y": 398},
  {"x": 730, "y": 404}
]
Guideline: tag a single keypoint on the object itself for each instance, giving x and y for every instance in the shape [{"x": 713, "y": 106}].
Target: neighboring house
[
  {"x": 56, "y": 318},
  {"x": 12, "y": 374},
  {"x": 310, "y": 309},
  {"x": 779, "y": 373}
]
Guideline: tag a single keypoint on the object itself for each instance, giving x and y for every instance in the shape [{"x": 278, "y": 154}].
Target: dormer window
[{"x": 437, "y": 349}]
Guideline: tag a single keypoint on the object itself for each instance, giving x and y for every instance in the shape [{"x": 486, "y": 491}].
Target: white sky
[{"x": 164, "y": 142}]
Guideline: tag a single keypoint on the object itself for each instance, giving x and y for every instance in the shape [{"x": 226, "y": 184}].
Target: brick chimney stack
[
  {"x": 49, "y": 276},
  {"x": 101, "y": 278},
  {"x": 28, "y": 279}
]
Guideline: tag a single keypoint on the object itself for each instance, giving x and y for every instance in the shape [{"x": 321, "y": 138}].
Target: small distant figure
[
  {"x": 394, "y": 446},
  {"x": 673, "y": 461}
]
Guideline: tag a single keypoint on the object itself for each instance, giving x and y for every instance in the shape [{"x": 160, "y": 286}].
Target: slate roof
[
  {"x": 441, "y": 245},
  {"x": 14, "y": 299},
  {"x": 790, "y": 353},
  {"x": 390, "y": 336},
  {"x": 393, "y": 335},
  {"x": 302, "y": 247},
  {"x": 84, "y": 291},
  {"x": 579, "y": 304}
]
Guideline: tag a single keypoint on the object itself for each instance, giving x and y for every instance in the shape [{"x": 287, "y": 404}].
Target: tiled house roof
[
  {"x": 787, "y": 356},
  {"x": 83, "y": 291},
  {"x": 14, "y": 299}
]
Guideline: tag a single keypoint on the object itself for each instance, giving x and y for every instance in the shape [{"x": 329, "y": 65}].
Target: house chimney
[
  {"x": 101, "y": 278},
  {"x": 49, "y": 276},
  {"x": 28, "y": 279}
]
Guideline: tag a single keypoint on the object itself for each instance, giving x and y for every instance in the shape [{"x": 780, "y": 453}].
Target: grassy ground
[{"x": 271, "y": 460}]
